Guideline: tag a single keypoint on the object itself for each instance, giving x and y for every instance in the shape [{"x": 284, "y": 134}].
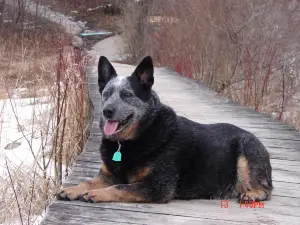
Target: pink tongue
[{"x": 110, "y": 127}]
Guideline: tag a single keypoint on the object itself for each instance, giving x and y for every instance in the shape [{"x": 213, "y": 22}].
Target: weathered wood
[
  {"x": 197, "y": 102},
  {"x": 177, "y": 212},
  {"x": 83, "y": 214}
]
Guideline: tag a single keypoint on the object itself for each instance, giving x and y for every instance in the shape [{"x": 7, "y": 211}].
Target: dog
[{"x": 151, "y": 155}]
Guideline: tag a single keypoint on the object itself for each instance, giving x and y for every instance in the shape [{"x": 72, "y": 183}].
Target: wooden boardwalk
[{"x": 201, "y": 104}]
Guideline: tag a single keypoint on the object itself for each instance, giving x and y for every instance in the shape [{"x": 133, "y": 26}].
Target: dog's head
[{"x": 125, "y": 99}]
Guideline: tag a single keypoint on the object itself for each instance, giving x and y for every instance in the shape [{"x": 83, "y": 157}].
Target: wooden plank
[{"x": 290, "y": 164}]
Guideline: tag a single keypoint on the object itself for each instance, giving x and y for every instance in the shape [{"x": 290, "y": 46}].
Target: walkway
[{"x": 201, "y": 104}]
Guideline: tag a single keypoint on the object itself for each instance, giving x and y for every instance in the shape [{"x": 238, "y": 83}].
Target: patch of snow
[
  {"x": 24, "y": 136},
  {"x": 23, "y": 131},
  {"x": 7, "y": 21},
  {"x": 82, "y": 24},
  {"x": 39, "y": 219},
  {"x": 123, "y": 57},
  {"x": 18, "y": 92},
  {"x": 66, "y": 22},
  {"x": 98, "y": 7}
]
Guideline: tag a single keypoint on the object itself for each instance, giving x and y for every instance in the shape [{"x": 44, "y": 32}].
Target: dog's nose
[{"x": 108, "y": 113}]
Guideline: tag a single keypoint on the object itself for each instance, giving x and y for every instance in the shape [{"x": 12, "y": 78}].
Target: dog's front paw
[
  {"x": 92, "y": 196},
  {"x": 70, "y": 193}
]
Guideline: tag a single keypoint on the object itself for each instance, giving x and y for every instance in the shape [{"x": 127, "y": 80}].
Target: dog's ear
[
  {"x": 144, "y": 72},
  {"x": 105, "y": 72}
]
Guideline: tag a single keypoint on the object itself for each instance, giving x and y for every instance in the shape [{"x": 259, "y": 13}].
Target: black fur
[
  {"x": 105, "y": 72},
  {"x": 144, "y": 72}
]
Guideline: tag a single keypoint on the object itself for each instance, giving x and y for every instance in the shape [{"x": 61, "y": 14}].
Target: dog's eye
[{"x": 127, "y": 94}]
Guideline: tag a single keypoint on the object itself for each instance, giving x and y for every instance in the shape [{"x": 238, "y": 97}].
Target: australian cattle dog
[{"x": 150, "y": 154}]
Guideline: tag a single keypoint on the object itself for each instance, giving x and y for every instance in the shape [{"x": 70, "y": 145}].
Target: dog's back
[{"x": 215, "y": 160}]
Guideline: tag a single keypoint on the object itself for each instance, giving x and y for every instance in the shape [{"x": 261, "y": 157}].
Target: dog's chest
[
  {"x": 127, "y": 174},
  {"x": 131, "y": 168},
  {"x": 118, "y": 169}
]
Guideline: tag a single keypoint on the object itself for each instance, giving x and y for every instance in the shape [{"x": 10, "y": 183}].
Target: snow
[
  {"x": 98, "y": 7},
  {"x": 24, "y": 121},
  {"x": 23, "y": 131},
  {"x": 70, "y": 26}
]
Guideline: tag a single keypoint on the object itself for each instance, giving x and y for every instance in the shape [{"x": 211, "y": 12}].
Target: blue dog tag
[{"x": 117, "y": 155}]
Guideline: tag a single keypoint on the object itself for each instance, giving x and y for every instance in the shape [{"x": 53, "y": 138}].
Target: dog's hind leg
[{"x": 254, "y": 172}]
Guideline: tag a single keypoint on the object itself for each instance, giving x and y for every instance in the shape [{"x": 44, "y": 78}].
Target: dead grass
[
  {"x": 27, "y": 57},
  {"x": 29, "y": 187},
  {"x": 40, "y": 64}
]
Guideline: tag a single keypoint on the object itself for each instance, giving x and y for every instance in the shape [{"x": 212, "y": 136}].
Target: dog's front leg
[
  {"x": 137, "y": 192},
  {"x": 102, "y": 180}
]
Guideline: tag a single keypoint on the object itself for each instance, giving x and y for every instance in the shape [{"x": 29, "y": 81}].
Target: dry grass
[
  {"x": 27, "y": 57},
  {"x": 41, "y": 63}
]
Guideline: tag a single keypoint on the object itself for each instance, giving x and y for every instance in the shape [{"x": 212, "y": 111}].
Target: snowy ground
[{"x": 25, "y": 132}]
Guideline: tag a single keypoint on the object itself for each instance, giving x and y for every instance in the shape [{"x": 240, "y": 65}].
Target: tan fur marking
[
  {"x": 104, "y": 169},
  {"x": 75, "y": 191},
  {"x": 97, "y": 183},
  {"x": 248, "y": 191},
  {"x": 129, "y": 132},
  {"x": 243, "y": 174},
  {"x": 111, "y": 194},
  {"x": 139, "y": 175},
  {"x": 255, "y": 195}
]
